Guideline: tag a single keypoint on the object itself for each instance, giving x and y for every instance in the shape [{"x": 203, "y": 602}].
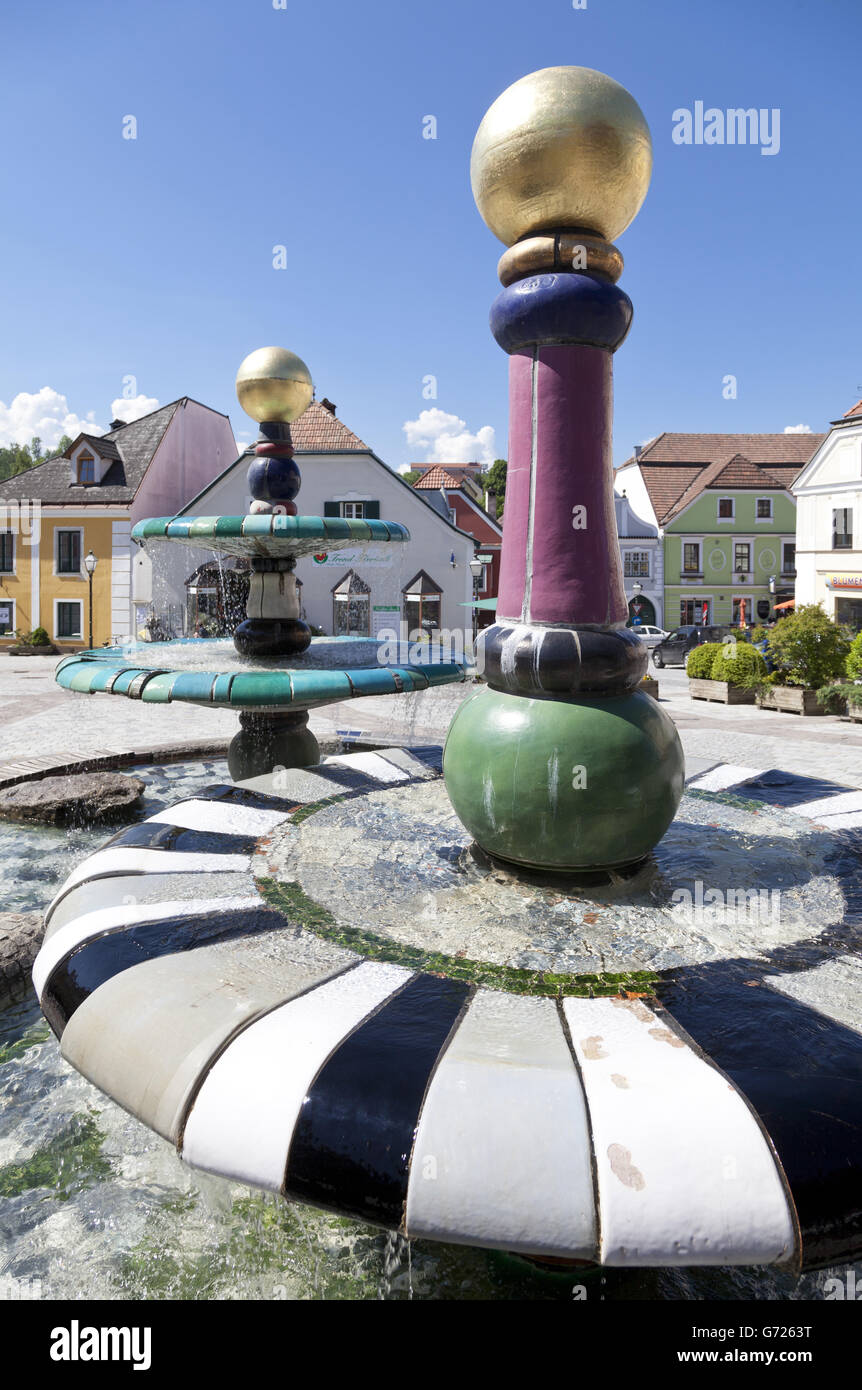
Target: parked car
[
  {"x": 651, "y": 636},
  {"x": 676, "y": 647}
]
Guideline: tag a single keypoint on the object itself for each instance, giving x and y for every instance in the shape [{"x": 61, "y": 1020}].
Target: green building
[{"x": 726, "y": 519}]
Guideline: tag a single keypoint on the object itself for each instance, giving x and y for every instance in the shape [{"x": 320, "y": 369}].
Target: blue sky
[{"x": 256, "y": 127}]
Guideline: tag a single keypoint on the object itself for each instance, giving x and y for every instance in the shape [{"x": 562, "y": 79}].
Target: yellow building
[{"x": 60, "y": 517}]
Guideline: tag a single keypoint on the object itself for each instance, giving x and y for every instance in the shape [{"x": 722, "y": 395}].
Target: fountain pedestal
[{"x": 562, "y": 763}]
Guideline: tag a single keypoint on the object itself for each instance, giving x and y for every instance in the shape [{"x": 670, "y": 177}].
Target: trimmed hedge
[
  {"x": 699, "y": 661},
  {"x": 740, "y": 664}
]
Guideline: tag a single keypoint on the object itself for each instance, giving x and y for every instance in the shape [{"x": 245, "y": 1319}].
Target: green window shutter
[
  {"x": 372, "y": 511},
  {"x": 331, "y": 509}
]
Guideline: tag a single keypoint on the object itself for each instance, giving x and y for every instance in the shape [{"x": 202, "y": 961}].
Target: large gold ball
[
  {"x": 561, "y": 148},
  {"x": 273, "y": 384}
]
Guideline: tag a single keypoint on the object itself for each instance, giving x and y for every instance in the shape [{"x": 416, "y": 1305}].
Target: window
[
  {"x": 68, "y": 552},
  {"x": 741, "y": 557},
  {"x": 741, "y": 611},
  {"x": 7, "y": 552},
  {"x": 763, "y": 509},
  {"x": 693, "y": 611},
  {"x": 353, "y": 511},
  {"x": 7, "y": 617},
  {"x": 68, "y": 618},
  {"x": 788, "y": 558},
  {"x": 351, "y": 607},
  {"x": 726, "y": 508},
  {"x": 422, "y": 605},
  {"x": 86, "y": 468},
  {"x": 636, "y": 564},
  {"x": 842, "y": 528},
  {"x": 691, "y": 557}
]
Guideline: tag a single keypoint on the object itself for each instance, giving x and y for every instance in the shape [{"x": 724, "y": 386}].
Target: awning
[
  {"x": 489, "y": 604},
  {"x": 789, "y": 603}
]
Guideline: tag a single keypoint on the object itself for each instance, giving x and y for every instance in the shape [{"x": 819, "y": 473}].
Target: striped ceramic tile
[
  {"x": 355, "y": 1131},
  {"x": 503, "y": 1156},
  {"x": 151, "y": 861},
  {"x": 113, "y": 919},
  {"x": 800, "y": 1067},
  {"x": 125, "y": 890},
  {"x": 685, "y": 1175},
  {"x": 148, "y": 1035},
  {"x": 722, "y": 777},
  {"x": 243, "y": 1117},
  {"x": 215, "y": 817}
]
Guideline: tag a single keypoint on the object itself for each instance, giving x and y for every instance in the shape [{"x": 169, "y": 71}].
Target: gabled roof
[
  {"x": 437, "y": 476},
  {"x": 319, "y": 431},
  {"x": 135, "y": 444},
  {"x": 677, "y": 468},
  {"x": 741, "y": 472},
  {"x": 101, "y": 444},
  {"x": 712, "y": 448}
]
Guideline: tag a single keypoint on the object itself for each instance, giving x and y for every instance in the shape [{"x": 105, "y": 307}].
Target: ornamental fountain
[
  {"x": 278, "y": 671},
  {"x": 489, "y": 1019}
]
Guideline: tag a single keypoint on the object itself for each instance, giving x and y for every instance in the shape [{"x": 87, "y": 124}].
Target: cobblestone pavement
[{"x": 42, "y": 726}]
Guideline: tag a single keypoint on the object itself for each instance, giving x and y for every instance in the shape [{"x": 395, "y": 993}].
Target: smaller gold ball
[
  {"x": 274, "y": 384},
  {"x": 562, "y": 148}
]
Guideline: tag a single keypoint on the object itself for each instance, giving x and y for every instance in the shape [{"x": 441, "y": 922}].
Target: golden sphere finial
[
  {"x": 561, "y": 148},
  {"x": 273, "y": 384}
]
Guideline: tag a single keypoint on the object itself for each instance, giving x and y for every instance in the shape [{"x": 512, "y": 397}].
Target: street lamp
[
  {"x": 476, "y": 567},
  {"x": 90, "y": 563}
]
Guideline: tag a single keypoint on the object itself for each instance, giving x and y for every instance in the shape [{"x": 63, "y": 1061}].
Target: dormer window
[{"x": 86, "y": 468}]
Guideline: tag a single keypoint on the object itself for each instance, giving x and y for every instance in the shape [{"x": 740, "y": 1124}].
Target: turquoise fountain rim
[
  {"x": 268, "y": 532},
  {"x": 111, "y": 671}
]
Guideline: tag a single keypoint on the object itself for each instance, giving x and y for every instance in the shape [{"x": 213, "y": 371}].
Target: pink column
[{"x": 561, "y": 564}]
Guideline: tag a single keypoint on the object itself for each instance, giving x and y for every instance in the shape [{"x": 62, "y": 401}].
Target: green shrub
[
  {"x": 854, "y": 658},
  {"x": 39, "y": 638},
  {"x": 740, "y": 664},
  {"x": 833, "y": 697},
  {"x": 698, "y": 665},
  {"x": 808, "y": 649}
]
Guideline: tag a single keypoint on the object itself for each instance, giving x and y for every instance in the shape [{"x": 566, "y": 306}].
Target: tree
[
  {"x": 412, "y": 476},
  {"x": 17, "y": 458},
  {"x": 807, "y": 648},
  {"x": 494, "y": 480}
]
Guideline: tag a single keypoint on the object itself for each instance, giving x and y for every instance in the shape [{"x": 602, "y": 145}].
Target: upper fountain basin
[{"x": 268, "y": 533}]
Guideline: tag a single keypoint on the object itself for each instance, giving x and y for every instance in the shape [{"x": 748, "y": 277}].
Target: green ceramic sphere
[{"x": 564, "y": 784}]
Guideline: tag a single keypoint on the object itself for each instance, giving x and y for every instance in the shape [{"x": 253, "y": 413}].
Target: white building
[
  {"x": 829, "y": 523},
  {"x": 642, "y": 555},
  {"x": 425, "y": 583}
]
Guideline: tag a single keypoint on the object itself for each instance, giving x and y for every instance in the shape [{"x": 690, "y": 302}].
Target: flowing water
[{"x": 94, "y": 1205}]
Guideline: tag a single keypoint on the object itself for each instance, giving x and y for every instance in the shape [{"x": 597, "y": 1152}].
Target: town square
[{"x": 431, "y": 673}]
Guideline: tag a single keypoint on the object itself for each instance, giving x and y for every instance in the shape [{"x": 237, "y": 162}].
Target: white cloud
[
  {"x": 797, "y": 429},
  {"x": 133, "y": 408},
  {"x": 45, "y": 414},
  {"x": 447, "y": 439}
]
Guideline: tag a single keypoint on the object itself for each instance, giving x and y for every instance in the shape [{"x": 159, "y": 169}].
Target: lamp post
[
  {"x": 476, "y": 568},
  {"x": 90, "y": 563}
]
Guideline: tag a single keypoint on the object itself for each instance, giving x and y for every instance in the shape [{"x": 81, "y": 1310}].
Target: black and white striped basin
[{"x": 704, "y": 1114}]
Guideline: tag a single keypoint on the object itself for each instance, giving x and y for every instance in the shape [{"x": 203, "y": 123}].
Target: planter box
[
  {"x": 793, "y": 699},
  {"x": 721, "y": 691},
  {"x": 855, "y": 713},
  {"x": 26, "y": 650},
  {"x": 649, "y": 687}
]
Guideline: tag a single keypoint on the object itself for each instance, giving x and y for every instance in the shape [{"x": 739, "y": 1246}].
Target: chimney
[
  {"x": 638, "y": 450},
  {"x": 327, "y": 405},
  {"x": 491, "y": 503}
]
